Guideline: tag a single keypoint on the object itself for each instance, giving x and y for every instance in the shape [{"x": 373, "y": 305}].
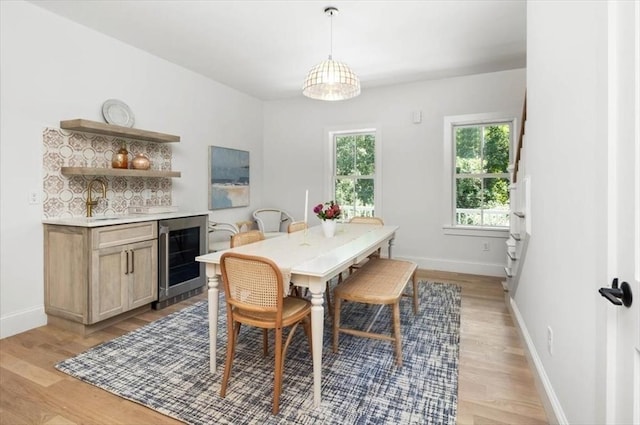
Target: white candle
[{"x": 306, "y": 205}]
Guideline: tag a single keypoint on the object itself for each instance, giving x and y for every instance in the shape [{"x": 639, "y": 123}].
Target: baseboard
[
  {"x": 22, "y": 321},
  {"x": 482, "y": 269},
  {"x": 86, "y": 330},
  {"x": 550, "y": 401}
]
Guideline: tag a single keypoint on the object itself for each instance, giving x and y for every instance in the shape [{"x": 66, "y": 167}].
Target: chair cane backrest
[
  {"x": 244, "y": 238},
  {"x": 367, "y": 220},
  {"x": 296, "y": 226},
  {"x": 252, "y": 283}
]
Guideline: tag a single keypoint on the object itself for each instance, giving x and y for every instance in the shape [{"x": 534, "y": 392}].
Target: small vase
[
  {"x": 140, "y": 162},
  {"x": 120, "y": 159},
  {"x": 329, "y": 228}
]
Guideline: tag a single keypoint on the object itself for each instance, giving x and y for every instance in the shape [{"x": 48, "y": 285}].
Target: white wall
[
  {"x": 53, "y": 69},
  {"x": 566, "y": 159},
  {"x": 412, "y": 159}
]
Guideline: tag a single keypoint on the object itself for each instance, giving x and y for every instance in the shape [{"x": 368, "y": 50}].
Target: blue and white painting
[{"x": 228, "y": 178}]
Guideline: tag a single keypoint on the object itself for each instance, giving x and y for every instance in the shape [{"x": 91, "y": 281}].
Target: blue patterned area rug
[{"x": 165, "y": 366}]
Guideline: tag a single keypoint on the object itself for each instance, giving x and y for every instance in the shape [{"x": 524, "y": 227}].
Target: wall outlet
[
  {"x": 486, "y": 246},
  {"x": 550, "y": 340},
  {"x": 34, "y": 198}
]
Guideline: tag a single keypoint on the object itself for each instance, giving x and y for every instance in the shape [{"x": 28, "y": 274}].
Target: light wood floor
[{"x": 495, "y": 383}]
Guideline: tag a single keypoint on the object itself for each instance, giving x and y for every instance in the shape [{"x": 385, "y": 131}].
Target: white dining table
[{"x": 309, "y": 260}]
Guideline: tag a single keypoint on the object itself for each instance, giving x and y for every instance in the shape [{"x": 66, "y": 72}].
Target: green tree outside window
[
  {"x": 355, "y": 173},
  {"x": 481, "y": 174}
]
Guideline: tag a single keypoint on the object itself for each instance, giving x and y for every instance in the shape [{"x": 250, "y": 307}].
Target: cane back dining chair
[
  {"x": 254, "y": 297},
  {"x": 296, "y": 226},
  {"x": 366, "y": 220},
  {"x": 244, "y": 238}
]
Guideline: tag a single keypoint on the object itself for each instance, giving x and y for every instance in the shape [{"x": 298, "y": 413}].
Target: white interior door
[{"x": 623, "y": 323}]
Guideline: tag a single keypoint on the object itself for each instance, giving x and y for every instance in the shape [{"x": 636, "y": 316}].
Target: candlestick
[{"x": 306, "y": 205}]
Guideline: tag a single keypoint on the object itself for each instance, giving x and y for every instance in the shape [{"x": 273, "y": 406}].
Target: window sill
[{"x": 485, "y": 232}]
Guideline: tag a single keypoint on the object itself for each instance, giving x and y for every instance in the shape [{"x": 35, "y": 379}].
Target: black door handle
[{"x": 618, "y": 295}]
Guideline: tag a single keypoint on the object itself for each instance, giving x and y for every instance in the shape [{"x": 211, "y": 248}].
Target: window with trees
[
  {"x": 480, "y": 173},
  {"x": 354, "y": 179}
]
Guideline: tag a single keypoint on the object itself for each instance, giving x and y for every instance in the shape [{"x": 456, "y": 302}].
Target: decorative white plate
[{"x": 117, "y": 112}]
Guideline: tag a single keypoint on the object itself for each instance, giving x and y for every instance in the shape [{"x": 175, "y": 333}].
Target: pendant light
[{"x": 331, "y": 80}]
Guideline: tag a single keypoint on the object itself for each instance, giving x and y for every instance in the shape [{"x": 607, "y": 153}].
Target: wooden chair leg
[
  {"x": 328, "y": 295},
  {"x": 416, "y": 294},
  {"x": 396, "y": 332},
  {"x": 336, "y": 323},
  {"x": 232, "y": 337},
  {"x": 277, "y": 376}
]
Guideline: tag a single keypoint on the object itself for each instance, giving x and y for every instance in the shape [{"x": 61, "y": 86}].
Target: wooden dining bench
[{"x": 379, "y": 281}]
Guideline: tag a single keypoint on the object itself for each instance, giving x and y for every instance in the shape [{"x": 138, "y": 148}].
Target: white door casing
[{"x": 623, "y": 222}]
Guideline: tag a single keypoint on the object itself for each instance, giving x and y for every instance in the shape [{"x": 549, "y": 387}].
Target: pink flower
[{"x": 332, "y": 212}]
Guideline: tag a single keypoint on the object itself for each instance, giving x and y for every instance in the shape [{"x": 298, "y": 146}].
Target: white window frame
[
  {"x": 330, "y": 161},
  {"x": 449, "y": 207}
]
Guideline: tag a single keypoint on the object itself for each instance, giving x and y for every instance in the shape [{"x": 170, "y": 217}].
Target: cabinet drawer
[{"x": 104, "y": 237}]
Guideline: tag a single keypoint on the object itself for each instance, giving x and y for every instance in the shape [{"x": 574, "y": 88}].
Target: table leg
[
  {"x": 317, "y": 331},
  {"x": 212, "y": 278},
  {"x": 391, "y": 243}
]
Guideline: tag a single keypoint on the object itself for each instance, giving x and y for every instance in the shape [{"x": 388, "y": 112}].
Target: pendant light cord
[{"x": 331, "y": 37}]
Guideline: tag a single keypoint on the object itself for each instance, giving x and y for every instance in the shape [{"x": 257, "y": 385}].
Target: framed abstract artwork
[{"x": 228, "y": 178}]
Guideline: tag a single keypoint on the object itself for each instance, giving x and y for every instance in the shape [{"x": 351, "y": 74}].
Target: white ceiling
[{"x": 265, "y": 48}]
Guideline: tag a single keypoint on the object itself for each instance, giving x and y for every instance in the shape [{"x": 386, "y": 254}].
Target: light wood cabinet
[
  {"x": 123, "y": 277},
  {"x": 99, "y": 273}
]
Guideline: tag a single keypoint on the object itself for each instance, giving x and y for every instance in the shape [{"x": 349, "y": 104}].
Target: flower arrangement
[{"x": 331, "y": 212}]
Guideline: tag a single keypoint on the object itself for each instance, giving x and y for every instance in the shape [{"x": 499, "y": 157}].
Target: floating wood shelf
[
  {"x": 123, "y": 172},
  {"x": 116, "y": 130}
]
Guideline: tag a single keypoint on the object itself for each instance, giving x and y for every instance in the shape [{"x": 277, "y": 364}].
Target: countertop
[{"x": 110, "y": 220}]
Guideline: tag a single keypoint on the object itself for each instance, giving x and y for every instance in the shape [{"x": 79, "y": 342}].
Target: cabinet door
[
  {"x": 108, "y": 290},
  {"x": 143, "y": 273}
]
